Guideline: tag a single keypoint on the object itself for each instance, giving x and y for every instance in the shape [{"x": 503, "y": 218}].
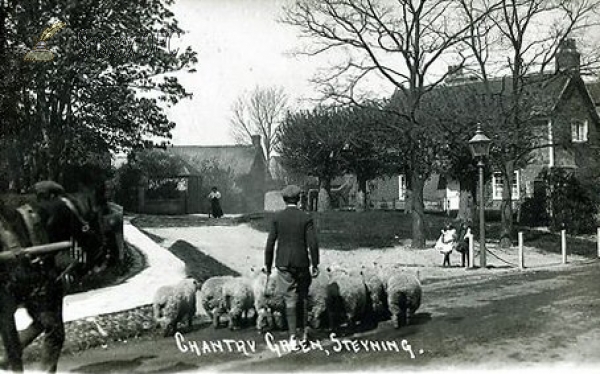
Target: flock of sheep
[{"x": 336, "y": 296}]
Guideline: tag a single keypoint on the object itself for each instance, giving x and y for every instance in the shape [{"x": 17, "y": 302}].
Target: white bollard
[
  {"x": 471, "y": 251},
  {"x": 598, "y": 240},
  {"x": 521, "y": 254},
  {"x": 563, "y": 242}
]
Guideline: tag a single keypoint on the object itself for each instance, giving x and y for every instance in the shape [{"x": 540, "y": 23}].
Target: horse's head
[
  {"x": 87, "y": 225},
  {"x": 77, "y": 216}
]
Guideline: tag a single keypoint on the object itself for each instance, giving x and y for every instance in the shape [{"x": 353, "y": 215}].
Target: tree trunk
[
  {"x": 361, "y": 195},
  {"x": 324, "y": 202},
  {"x": 506, "y": 207},
  {"x": 465, "y": 206},
  {"x": 408, "y": 202},
  {"x": 418, "y": 212}
]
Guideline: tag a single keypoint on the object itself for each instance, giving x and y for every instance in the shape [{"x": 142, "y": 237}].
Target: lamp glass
[{"x": 480, "y": 144}]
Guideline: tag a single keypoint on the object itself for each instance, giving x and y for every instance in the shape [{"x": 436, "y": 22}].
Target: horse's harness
[{"x": 37, "y": 232}]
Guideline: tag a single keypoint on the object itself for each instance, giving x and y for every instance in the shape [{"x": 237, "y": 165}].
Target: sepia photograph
[{"x": 314, "y": 186}]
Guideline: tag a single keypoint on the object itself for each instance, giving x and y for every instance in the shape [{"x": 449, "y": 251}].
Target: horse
[{"x": 37, "y": 282}]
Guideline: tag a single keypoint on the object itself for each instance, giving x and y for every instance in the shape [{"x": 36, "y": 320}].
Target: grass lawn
[{"x": 346, "y": 230}]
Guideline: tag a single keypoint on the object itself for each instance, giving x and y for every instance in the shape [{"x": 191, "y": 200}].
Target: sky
[{"x": 240, "y": 46}]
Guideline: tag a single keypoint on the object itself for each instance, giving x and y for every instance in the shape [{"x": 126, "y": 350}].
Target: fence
[{"x": 521, "y": 252}]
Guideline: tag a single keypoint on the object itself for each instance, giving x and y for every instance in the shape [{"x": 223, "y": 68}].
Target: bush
[
  {"x": 565, "y": 204},
  {"x": 534, "y": 212}
]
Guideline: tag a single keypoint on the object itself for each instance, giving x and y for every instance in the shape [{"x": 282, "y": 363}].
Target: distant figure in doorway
[
  {"x": 446, "y": 242},
  {"x": 215, "y": 203}
]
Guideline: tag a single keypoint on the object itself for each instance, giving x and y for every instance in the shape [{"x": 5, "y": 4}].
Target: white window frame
[
  {"x": 401, "y": 187},
  {"x": 497, "y": 187},
  {"x": 579, "y": 131}
]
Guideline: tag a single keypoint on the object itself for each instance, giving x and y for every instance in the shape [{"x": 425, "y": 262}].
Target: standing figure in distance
[
  {"x": 446, "y": 242},
  {"x": 215, "y": 203},
  {"x": 464, "y": 235},
  {"x": 296, "y": 260}
]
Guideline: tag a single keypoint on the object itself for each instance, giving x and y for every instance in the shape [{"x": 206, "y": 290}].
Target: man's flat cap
[
  {"x": 291, "y": 191},
  {"x": 45, "y": 187}
]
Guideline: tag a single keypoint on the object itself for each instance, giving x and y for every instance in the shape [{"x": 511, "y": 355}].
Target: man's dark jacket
[{"x": 294, "y": 232}]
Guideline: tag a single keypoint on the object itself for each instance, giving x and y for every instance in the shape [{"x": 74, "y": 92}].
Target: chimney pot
[{"x": 567, "y": 56}]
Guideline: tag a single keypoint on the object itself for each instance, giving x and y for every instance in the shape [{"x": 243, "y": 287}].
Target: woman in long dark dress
[{"x": 215, "y": 203}]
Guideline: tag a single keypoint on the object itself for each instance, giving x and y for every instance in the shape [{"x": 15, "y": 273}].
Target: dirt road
[{"x": 518, "y": 319}]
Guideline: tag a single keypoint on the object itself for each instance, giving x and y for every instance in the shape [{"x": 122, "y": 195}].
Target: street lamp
[{"x": 480, "y": 148}]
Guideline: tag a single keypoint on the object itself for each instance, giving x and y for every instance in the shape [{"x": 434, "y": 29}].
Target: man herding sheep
[{"x": 293, "y": 230}]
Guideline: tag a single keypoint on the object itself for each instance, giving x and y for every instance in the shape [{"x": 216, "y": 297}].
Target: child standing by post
[{"x": 445, "y": 243}]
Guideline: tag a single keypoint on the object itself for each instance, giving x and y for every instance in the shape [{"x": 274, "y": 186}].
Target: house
[
  {"x": 238, "y": 171},
  {"x": 566, "y": 112}
]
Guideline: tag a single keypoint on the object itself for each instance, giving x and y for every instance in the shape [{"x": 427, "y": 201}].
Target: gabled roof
[
  {"x": 541, "y": 92},
  {"x": 594, "y": 90},
  {"x": 239, "y": 158}
]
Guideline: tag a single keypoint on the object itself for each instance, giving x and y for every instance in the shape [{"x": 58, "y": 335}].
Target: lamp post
[{"x": 480, "y": 148}]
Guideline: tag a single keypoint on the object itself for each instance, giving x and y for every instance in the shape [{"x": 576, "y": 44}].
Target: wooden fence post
[
  {"x": 563, "y": 242},
  {"x": 471, "y": 250},
  {"x": 598, "y": 240},
  {"x": 521, "y": 254}
]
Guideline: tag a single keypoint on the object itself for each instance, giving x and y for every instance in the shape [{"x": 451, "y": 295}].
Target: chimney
[
  {"x": 256, "y": 141},
  {"x": 567, "y": 57},
  {"x": 456, "y": 75}
]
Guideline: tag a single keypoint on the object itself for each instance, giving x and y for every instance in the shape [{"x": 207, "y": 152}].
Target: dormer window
[{"x": 579, "y": 131}]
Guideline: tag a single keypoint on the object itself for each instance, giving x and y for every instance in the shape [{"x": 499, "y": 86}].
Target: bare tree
[
  {"x": 405, "y": 42},
  {"x": 527, "y": 35},
  {"x": 259, "y": 113}
]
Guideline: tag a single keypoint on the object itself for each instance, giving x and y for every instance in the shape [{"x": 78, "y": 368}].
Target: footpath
[{"x": 163, "y": 269}]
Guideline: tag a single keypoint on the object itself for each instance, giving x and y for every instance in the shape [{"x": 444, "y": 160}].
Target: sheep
[
  {"x": 378, "y": 308},
  {"x": 268, "y": 304},
  {"x": 161, "y": 297},
  {"x": 172, "y": 304},
  {"x": 348, "y": 295},
  {"x": 237, "y": 300},
  {"x": 211, "y": 297},
  {"x": 404, "y": 297},
  {"x": 319, "y": 301}
]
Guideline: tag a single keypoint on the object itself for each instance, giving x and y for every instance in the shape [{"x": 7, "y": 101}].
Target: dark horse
[{"x": 37, "y": 282}]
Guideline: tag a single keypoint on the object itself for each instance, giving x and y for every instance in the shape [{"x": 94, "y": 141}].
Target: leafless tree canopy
[
  {"x": 523, "y": 37},
  {"x": 259, "y": 113},
  {"x": 403, "y": 41}
]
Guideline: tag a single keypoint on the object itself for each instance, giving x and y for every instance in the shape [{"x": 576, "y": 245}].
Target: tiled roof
[
  {"x": 541, "y": 91},
  {"x": 594, "y": 90},
  {"x": 544, "y": 91}
]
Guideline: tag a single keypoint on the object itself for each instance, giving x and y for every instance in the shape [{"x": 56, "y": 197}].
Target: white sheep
[
  {"x": 268, "y": 304},
  {"x": 173, "y": 304},
  {"x": 319, "y": 301},
  {"x": 378, "y": 309},
  {"x": 404, "y": 297},
  {"x": 211, "y": 297},
  {"x": 347, "y": 294},
  {"x": 237, "y": 300}
]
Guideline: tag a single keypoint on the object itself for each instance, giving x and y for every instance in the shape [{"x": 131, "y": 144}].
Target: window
[
  {"x": 401, "y": 187},
  {"x": 498, "y": 180},
  {"x": 579, "y": 131}
]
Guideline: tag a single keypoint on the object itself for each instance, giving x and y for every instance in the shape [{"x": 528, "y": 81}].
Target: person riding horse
[{"x": 37, "y": 282}]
